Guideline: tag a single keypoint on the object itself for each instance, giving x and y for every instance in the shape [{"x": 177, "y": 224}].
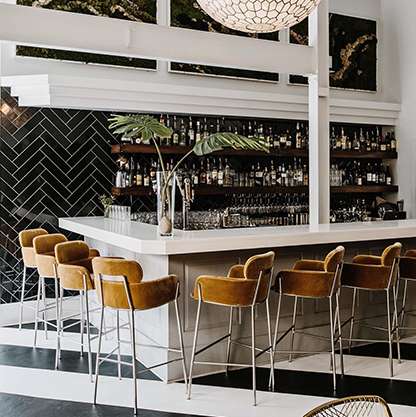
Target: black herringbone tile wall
[{"x": 53, "y": 163}]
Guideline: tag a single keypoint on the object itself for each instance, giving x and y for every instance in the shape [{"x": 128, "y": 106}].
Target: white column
[{"x": 319, "y": 159}]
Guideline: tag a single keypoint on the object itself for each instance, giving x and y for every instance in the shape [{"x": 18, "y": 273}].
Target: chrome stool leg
[
  {"x": 292, "y": 335},
  {"x": 354, "y": 301},
  {"x": 333, "y": 359},
  {"x": 389, "y": 330},
  {"x": 37, "y": 313},
  {"x": 44, "y": 313},
  {"x": 97, "y": 362},
  {"x": 118, "y": 344},
  {"x": 269, "y": 332},
  {"x": 230, "y": 330},
  {"x": 276, "y": 332},
  {"x": 338, "y": 318},
  {"x": 191, "y": 367},
  {"x": 403, "y": 310},
  {"x": 133, "y": 354},
  {"x": 22, "y": 297},
  {"x": 180, "y": 334},
  {"x": 253, "y": 353},
  {"x": 87, "y": 310},
  {"x": 396, "y": 321},
  {"x": 82, "y": 321}
]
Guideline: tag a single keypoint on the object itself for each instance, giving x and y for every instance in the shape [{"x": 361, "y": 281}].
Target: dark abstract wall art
[
  {"x": 188, "y": 14},
  {"x": 139, "y": 11},
  {"x": 353, "y": 48}
]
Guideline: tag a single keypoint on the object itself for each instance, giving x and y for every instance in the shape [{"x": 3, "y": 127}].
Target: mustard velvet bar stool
[
  {"x": 245, "y": 286},
  {"x": 375, "y": 274},
  {"x": 407, "y": 275},
  {"x": 74, "y": 260},
  {"x": 44, "y": 247},
  {"x": 29, "y": 262},
  {"x": 120, "y": 287},
  {"x": 312, "y": 279}
]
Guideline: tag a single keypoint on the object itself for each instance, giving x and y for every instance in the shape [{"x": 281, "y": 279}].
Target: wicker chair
[{"x": 360, "y": 406}]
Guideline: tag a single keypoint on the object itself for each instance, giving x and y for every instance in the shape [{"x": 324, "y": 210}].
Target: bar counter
[
  {"x": 212, "y": 252},
  {"x": 143, "y": 238}
]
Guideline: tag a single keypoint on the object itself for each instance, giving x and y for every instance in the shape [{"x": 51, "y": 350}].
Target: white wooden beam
[
  {"x": 78, "y": 32},
  {"x": 319, "y": 159}
]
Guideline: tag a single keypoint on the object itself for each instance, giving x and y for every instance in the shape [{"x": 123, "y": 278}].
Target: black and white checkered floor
[{"x": 31, "y": 387}]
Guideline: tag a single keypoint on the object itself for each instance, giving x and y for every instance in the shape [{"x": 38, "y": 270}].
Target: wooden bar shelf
[
  {"x": 363, "y": 155},
  {"x": 365, "y": 189},
  {"x": 206, "y": 190},
  {"x": 181, "y": 150}
]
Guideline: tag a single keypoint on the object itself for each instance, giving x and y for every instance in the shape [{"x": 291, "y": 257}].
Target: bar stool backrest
[
  {"x": 74, "y": 265},
  {"x": 26, "y": 238},
  {"x": 119, "y": 285},
  {"x": 334, "y": 259},
  {"x": 391, "y": 254},
  {"x": 115, "y": 280},
  {"x": 260, "y": 267},
  {"x": 44, "y": 247},
  {"x": 360, "y": 406},
  {"x": 410, "y": 253}
]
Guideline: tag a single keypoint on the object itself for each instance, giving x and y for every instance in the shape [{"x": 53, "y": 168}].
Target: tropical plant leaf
[
  {"x": 221, "y": 140},
  {"x": 140, "y": 127}
]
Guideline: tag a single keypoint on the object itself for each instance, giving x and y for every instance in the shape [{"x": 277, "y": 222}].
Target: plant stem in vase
[{"x": 165, "y": 190}]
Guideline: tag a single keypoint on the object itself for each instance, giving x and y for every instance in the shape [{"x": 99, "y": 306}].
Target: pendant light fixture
[{"x": 258, "y": 16}]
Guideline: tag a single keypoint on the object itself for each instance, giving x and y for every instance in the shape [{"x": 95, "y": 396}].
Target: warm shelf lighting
[{"x": 258, "y": 16}]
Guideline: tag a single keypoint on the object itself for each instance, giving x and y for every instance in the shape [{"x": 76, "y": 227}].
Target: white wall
[
  {"x": 400, "y": 32},
  {"x": 11, "y": 65}
]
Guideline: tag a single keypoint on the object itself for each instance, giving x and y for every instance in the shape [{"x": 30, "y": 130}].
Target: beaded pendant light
[{"x": 258, "y": 16}]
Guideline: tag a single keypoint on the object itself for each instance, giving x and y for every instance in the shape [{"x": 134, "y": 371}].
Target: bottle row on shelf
[
  {"x": 362, "y": 140},
  {"x": 189, "y": 130},
  {"x": 355, "y": 173},
  {"x": 277, "y": 135},
  {"x": 351, "y": 210},
  {"x": 217, "y": 172}
]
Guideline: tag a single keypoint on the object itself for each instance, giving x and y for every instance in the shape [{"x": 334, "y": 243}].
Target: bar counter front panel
[{"x": 190, "y": 254}]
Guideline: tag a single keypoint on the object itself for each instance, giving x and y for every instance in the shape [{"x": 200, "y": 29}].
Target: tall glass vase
[{"x": 165, "y": 204}]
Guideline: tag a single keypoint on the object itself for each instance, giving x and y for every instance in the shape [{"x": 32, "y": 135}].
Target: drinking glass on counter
[{"x": 120, "y": 213}]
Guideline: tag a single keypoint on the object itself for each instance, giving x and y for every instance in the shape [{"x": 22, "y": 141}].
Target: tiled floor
[{"x": 31, "y": 387}]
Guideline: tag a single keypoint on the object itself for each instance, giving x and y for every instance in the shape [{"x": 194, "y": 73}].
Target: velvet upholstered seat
[{"x": 238, "y": 288}]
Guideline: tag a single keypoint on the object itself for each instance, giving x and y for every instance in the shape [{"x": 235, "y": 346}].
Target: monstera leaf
[
  {"x": 221, "y": 140},
  {"x": 140, "y": 127}
]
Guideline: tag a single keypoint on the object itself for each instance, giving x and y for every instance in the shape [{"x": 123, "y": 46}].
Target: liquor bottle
[
  {"x": 393, "y": 141},
  {"x": 356, "y": 142},
  {"x": 168, "y": 141},
  {"x": 139, "y": 176},
  {"x": 191, "y": 133},
  {"x": 359, "y": 175},
  {"x": 252, "y": 177},
  {"x": 288, "y": 139},
  {"x": 195, "y": 175},
  {"x": 368, "y": 142},
  {"x": 202, "y": 174},
  {"x": 305, "y": 175},
  {"x": 205, "y": 133},
  {"x": 269, "y": 138},
  {"x": 228, "y": 179},
  {"x": 250, "y": 131},
  {"x": 343, "y": 140},
  {"x": 214, "y": 173},
  {"x": 362, "y": 140},
  {"x": 209, "y": 173},
  {"x": 146, "y": 177},
  {"x": 258, "y": 176},
  {"x": 131, "y": 172},
  {"x": 298, "y": 139},
  {"x": 276, "y": 141},
  {"x": 158, "y": 138},
  {"x": 260, "y": 133},
  {"x": 218, "y": 125},
  {"x": 198, "y": 135},
  {"x": 282, "y": 140},
  {"x": 389, "y": 178},
  {"x": 338, "y": 143},
  {"x": 273, "y": 174},
  {"x": 220, "y": 174},
  {"x": 175, "y": 136},
  {"x": 333, "y": 139},
  {"x": 182, "y": 133}
]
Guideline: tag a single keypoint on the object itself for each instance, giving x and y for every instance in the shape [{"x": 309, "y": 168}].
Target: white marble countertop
[{"x": 143, "y": 238}]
